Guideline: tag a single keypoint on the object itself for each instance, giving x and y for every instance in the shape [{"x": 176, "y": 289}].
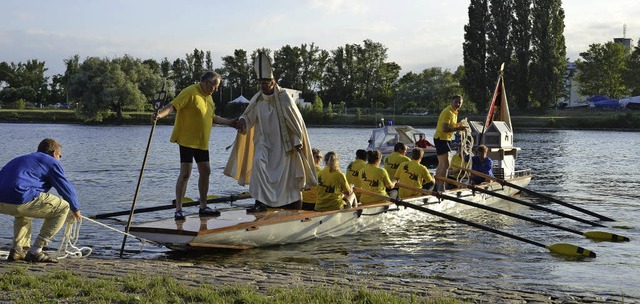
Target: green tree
[
  {"x": 499, "y": 47},
  {"x": 314, "y": 60},
  {"x": 104, "y": 85},
  {"x": 237, "y": 75},
  {"x": 360, "y": 75},
  {"x": 317, "y": 106},
  {"x": 517, "y": 80},
  {"x": 475, "y": 82},
  {"x": 432, "y": 89},
  {"x": 287, "y": 66},
  {"x": 602, "y": 70},
  {"x": 632, "y": 74},
  {"x": 548, "y": 60}
]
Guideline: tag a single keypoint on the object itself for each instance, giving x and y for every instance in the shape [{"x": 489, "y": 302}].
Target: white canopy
[{"x": 240, "y": 99}]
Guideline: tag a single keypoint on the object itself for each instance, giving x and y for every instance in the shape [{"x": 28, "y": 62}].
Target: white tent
[{"x": 240, "y": 99}]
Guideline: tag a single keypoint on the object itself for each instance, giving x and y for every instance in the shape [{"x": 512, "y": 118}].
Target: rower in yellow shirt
[
  {"x": 397, "y": 157},
  {"x": 354, "y": 168},
  {"x": 334, "y": 193},
  {"x": 413, "y": 173},
  {"x": 374, "y": 179},
  {"x": 310, "y": 196}
]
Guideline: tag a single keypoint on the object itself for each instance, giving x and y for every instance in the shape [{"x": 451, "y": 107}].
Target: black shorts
[
  {"x": 442, "y": 146},
  {"x": 187, "y": 155}
]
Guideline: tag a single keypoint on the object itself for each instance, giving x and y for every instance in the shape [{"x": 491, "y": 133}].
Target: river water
[{"x": 597, "y": 170}]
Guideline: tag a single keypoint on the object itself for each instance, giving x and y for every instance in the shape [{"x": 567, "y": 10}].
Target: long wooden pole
[
  {"x": 566, "y": 249},
  {"x": 594, "y": 235},
  {"x": 230, "y": 198},
  {"x": 521, "y": 202},
  {"x": 538, "y": 194},
  {"x": 159, "y": 98}
]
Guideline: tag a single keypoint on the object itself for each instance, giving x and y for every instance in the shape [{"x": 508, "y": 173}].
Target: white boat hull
[{"x": 234, "y": 229}]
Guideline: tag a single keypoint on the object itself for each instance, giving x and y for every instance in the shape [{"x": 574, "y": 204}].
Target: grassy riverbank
[
  {"x": 133, "y": 280},
  {"x": 555, "y": 119},
  {"x": 18, "y": 286}
]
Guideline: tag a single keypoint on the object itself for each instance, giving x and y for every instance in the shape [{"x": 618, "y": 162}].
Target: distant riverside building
[
  {"x": 627, "y": 42},
  {"x": 574, "y": 98}
]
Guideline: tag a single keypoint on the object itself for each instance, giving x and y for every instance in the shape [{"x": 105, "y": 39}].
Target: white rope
[
  {"x": 71, "y": 235},
  {"x": 142, "y": 240},
  {"x": 68, "y": 248},
  {"x": 465, "y": 149}
]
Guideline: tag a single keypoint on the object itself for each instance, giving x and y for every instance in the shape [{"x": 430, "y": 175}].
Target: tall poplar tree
[
  {"x": 549, "y": 53},
  {"x": 518, "y": 71},
  {"x": 499, "y": 47},
  {"x": 475, "y": 81}
]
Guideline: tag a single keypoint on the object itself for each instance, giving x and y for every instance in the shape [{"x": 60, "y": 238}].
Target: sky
[{"x": 418, "y": 34}]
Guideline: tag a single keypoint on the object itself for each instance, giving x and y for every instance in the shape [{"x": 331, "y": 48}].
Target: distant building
[
  {"x": 574, "y": 98},
  {"x": 572, "y": 86}
]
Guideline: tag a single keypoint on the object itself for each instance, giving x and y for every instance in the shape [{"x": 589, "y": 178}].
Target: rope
[
  {"x": 465, "y": 149},
  {"x": 68, "y": 248}
]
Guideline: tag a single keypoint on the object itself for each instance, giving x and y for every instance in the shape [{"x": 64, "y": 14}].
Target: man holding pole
[
  {"x": 447, "y": 126},
  {"x": 192, "y": 128}
]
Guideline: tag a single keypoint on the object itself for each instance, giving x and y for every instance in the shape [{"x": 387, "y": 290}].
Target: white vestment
[{"x": 260, "y": 157}]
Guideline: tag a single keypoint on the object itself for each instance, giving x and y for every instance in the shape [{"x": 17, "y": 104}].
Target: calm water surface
[{"x": 597, "y": 170}]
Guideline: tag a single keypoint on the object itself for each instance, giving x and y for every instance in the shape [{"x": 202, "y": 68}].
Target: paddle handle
[
  {"x": 447, "y": 216},
  {"x": 521, "y": 202},
  {"x": 538, "y": 194}
]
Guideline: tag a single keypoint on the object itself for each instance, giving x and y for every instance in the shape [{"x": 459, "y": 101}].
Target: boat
[
  {"x": 236, "y": 229},
  {"x": 386, "y": 136}
]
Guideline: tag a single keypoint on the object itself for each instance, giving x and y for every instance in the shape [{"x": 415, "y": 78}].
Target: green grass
[{"x": 18, "y": 286}]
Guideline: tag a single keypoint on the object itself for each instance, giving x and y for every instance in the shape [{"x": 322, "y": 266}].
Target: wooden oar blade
[
  {"x": 571, "y": 250},
  {"x": 605, "y": 236}
]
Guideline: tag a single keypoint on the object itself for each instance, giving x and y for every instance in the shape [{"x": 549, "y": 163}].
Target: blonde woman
[{"x": 334, "y": 193}]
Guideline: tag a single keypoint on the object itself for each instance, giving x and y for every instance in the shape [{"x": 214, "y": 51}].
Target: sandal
[{"x": 40, "y": 257}]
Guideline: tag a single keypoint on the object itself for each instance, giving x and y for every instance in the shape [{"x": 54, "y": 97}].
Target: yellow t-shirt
[
  {"x": 330, "y": 188},
  {"x": 393, "y": 161},
  {"x": 311, "y": 196},
  {"x": 353, "y": 172},
  {"x": 412, "y": 173},
  {"x": 456, "y": 160},
  {"x": 374, "y": 179},
  {"x": 450, "y": 116},
  {"x": 194, "y": 118}
]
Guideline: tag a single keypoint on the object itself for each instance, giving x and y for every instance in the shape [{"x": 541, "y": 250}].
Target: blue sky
[{"x": 419, "y": 34}]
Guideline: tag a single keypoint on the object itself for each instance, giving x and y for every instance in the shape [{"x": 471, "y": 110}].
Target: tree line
[{"x": 526, "y": 35}]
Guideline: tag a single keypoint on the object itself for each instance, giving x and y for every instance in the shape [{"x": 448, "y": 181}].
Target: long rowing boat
[{"x": 235, "y": 229}]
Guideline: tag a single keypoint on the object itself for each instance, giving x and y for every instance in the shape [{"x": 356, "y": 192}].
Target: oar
[
  {"x": 594, "y": 235},
  {"x": 158, "y": 99},
  {"x": 532, "y": 205},
  {"x": 565, "y": 249},
  {"x": 187, "y": 202},
  {"x": 538, "y": 194}
]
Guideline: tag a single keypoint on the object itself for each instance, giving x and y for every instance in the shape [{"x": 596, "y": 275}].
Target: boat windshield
[{"x": 389, "y": 136}]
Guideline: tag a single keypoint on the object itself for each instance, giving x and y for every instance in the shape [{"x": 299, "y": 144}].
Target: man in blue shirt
[
  {"x": 24, "y": 185},
  {"x": 481, "y": 163}
]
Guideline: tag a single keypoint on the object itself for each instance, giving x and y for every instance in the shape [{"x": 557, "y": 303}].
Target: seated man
[
  {"x": 481, "y": 163},
  {"x": 422, "y": 142},
  {"x": 414, "y": 174}
]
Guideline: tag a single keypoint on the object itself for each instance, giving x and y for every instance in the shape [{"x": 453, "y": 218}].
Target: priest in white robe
[{"x": 272, "y": 152}]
